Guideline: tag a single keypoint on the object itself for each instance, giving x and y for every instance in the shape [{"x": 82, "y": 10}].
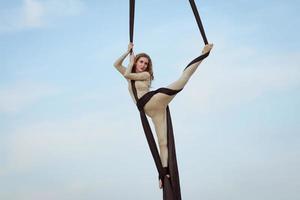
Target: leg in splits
[{"x": 156, "y": 109}]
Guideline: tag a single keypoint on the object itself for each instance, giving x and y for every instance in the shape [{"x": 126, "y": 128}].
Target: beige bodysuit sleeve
[
  {"x": 135, "y": 76},
  {"x": 118, "y": 64},
  {"x": 126, "y": 72}
]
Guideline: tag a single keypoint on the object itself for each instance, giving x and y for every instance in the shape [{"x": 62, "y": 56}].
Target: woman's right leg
[
  {"x": 184, "y": 78},
  {"x": 156, "y": 109},
  {"x": 162, "y": 100}
]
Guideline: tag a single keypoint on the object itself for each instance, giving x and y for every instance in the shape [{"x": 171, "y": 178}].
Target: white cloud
[
  {"x": 222, "y": 84},
  {"x": 234, "y": 74},
  {"x": 37, "y": 14},
  {"x": 17, "y": 97},
  {"x": 83, "y": 138},
  {"x": 33, "y": 13},
  {"x": 58, "y": 8}
]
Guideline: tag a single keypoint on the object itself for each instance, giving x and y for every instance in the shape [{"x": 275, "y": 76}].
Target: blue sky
[{"x": 69, "y": 129}]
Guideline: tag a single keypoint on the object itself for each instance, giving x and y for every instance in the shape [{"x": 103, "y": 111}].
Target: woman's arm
[
  {"x": 141, "y": 76},
  {"x": 118, "y": 63},
  {"x": 130, "y": 65}
]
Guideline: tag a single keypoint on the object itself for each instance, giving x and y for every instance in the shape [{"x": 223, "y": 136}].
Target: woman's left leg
[{"x": 160, "y": 124}]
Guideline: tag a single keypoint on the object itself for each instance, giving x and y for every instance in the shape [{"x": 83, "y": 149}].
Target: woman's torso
[
  {"x": 142, "y": 87},
  {"x": 153, "y": 105}
]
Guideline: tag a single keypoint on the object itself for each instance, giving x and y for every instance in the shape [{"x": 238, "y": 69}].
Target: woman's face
[{"x": 141, "y": 64}]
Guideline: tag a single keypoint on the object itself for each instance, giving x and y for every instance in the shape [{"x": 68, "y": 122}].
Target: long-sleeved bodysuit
[
  {"x": 154, "y": 104},
  {"x": 155, "y": 108}
]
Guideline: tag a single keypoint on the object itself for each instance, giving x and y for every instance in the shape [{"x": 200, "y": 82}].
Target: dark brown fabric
[
  {"x": 198, "y": 20},
  {"x": 131, "y": 19},
  {"x": 171, "y": 186}
]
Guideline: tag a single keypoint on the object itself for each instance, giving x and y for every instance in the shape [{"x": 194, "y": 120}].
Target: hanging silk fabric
[{"x": 171, "y": 186}]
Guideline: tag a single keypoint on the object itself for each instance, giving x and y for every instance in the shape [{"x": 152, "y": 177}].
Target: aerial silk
[{"x": 171, "y": 186}]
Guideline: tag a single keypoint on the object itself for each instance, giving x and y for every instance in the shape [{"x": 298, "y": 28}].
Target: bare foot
[
  {"x": 207, "y": 48},
  {"x": 160, "y": 182}
]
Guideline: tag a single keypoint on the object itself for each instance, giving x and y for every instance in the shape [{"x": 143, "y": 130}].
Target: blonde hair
[{"x": 149, "y": 67}]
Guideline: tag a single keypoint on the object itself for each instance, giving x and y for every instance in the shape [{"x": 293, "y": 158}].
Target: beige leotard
[{"x": 155, "y": 108}]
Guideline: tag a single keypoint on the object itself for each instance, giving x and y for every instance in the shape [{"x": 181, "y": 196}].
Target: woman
[{"x": 140, "y": 70}]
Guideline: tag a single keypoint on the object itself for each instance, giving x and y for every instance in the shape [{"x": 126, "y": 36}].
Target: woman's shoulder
[{"x": 146, "y": 73}]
